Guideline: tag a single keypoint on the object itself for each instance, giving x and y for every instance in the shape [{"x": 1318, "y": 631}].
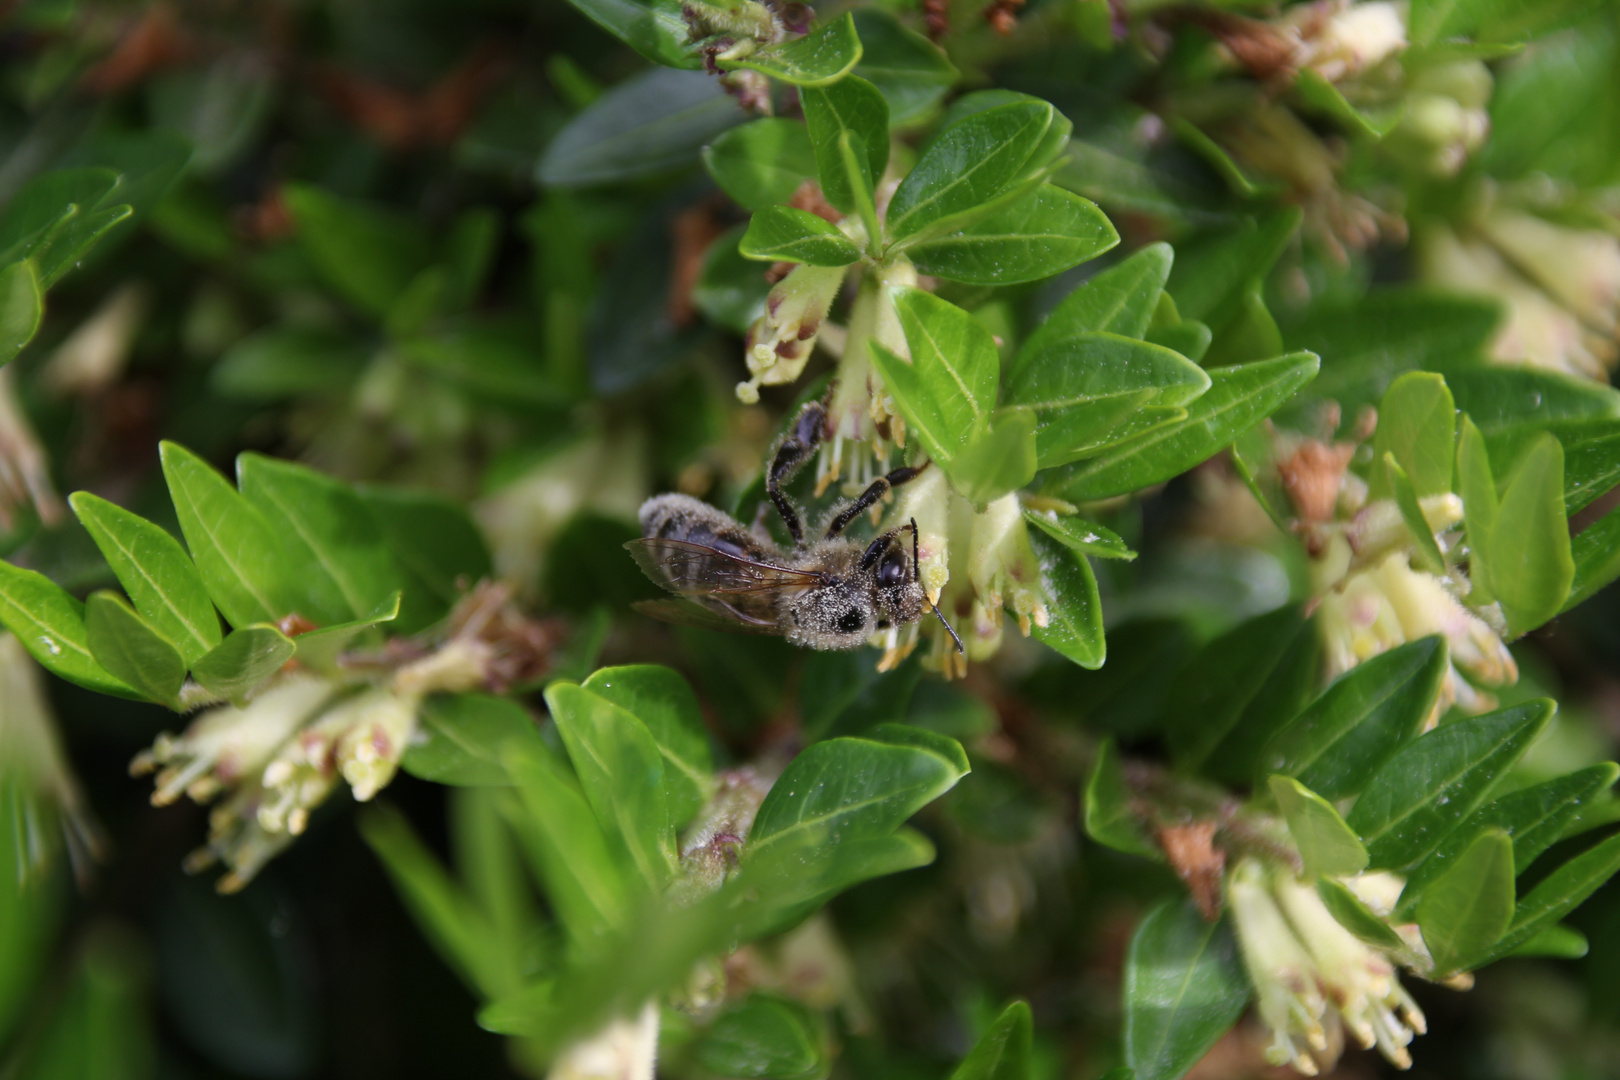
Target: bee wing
[
  {"x": 692, "y": 613},
  {"x": 688, "y": 569}
]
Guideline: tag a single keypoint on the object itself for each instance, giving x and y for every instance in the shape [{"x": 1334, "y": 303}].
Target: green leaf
[
  {"x": 1595, "y": 552},
  {"x": 1322, "y": 96},
  {"x": 763, "y": 1038},
  {"x": 1250, "y": 334},
  {"x": 68, "y": 246},
  {"x": 319, "y": 649},
  {"x": 1212, "y": 272},
  {"x": 22, "y": 305},
  {"x": 1000, "y": 460},
  {"x": 822, "y": 56},
  {"x": 1417, "y": 422},
  {"x": 432, "y": 537},
  {"x": 655, "y": 122},
  {"x": 1003, "y": 1051},
  {"x": 462, "y": 738},
  {"x": 1238, "y": 398},
  {"x": 1110, "y": 819},
  {"x": 663, "y": 701},
  {"x": 244, "y": 565},
  {"x": 447, "y": 916},
  {"x": 1074, "y": 608},
  {"x": 347, "y": 569},
  {"x": 50, "y": 625},
  {"x": 1481, "y": 506},
  {"x": 1438, "y": 779},
  {"x": 1591, "y": 459},
  {"x": 1044, "y": 233},
  {"x": 127, "y": 647},
  {"x": 248, "y": 656},
  {"x": 761, "y": 162},
  {"x": 1184, "y": 987},
  {"x": 854, "y": 105},
  {"x": 1535, "y": 817},
  {"x": 1470, "y": 906},
  {"x": 1507, "y": 403},
  {"x": 731, "y": 290},
  {"x": 1325, "y": 842},
  {"x": 858, "y": 178},
  {"x": 45, "y": 205},
  {"x": 1334, "y": 746},
  {"x": 654, "y": 28},
  {"x": 1557, "y": 895},
  {"x": 587, "y": 882},
  {"x": 1083, "y": 386},
  {"x": 1429, "y": 555},
  {"x": 910, "y": 71},
  {"x": 1078, "y": 534},
  {"x": 287, "y": 362},
  {"x": 1548, "y": 108},
  {"x": 155, "y": 570},
  {"x": 621, "y": 770},
  {"x": 967, "y": 166},
  {"x": 366, "y": 254},
  {"x": 783, "y": 234},
  {"x": 947, "y": 391},
  {"x": 1121, "y": 300},
  {"x": 1558, "y": 942},
  {"x": 1532, "y": 567},
  {"x": 1356, "y": 917}
]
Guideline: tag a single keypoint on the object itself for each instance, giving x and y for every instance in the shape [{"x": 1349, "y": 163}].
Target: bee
[{"x": 826, "y": 593}]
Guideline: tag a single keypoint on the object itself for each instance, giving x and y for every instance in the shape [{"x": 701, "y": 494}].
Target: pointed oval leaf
[
  {"x": 1438, "y": 779},
  {"x": 1469, "y": 907},
  {"x": 1532, "y": 566},
  {"x": 1120, "y": 300},
  {"x": 948, "y": 390},
  {"x": 1417, "y": 423},
  {"x": 248, "y": 656},
  {"x": 662, "y": 700},
  {"x": 968, "y": 165},
  {"x": 763, "y": 1038},
  {"x": 783, "y": 234},
  {"x": 126, "y": 645},
  {"x": 1003, "y": 1051},
  {"x": 1078, "y": 534},
  {"x": 22, "y": 304},
  {"x": 1557, "y": 895},
  {"x": 1184, "y": 987},
  {"x": 1044, "y": 233},
  {"x": 816, "y": 59},
  {"x": 654, "y": 28},
  {"x": 1326, "y": 844},
  {"x": 912, "y": 72},
  {"x": 461, "y": 739},
  {"x": 761, "y": 162},
  {"x": 50, "y": 624},
  {"x": 851, "y": 104},
  {"x": 1074, "y": 607}
]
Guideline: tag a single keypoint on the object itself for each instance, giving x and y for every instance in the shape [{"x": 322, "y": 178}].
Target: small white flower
[
  {"x": 1357, "y": 37},
  {"x": 626, "y": 1049},
  {"x": 781, "y": 340}
]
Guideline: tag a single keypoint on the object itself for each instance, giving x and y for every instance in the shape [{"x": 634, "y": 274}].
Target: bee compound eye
[
  {"x": 850, "y": 621},
  {"x": 892, "y": 570}
]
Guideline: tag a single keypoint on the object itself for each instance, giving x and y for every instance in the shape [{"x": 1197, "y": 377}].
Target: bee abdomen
[{"x": 681, "y": 517}]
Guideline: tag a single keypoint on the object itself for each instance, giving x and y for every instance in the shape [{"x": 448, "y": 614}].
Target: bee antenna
[{"x": 916, "y": 570}]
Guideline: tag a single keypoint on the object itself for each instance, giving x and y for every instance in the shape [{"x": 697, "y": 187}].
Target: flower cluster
[{"x": 1314, "y": 980}]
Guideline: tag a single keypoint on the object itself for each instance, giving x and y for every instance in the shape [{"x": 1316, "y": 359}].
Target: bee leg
[
  {"x": 793, "y": 451},
  {"x": 878, "y": 488}
]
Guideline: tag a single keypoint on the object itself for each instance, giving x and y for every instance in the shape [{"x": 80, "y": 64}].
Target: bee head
[{"x": 895, "y": 588}]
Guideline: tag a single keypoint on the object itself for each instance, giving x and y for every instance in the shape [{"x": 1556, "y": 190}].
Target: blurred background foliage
[{"x": 472, "y": 249}]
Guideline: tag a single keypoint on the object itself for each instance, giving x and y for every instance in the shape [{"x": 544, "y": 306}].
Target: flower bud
[
  {"x": 623, "y": 1050},
  {"x": 780, "y": 341},
  {"x": 1358, "y": 37},
  {"x": 1284, "y": 975}
]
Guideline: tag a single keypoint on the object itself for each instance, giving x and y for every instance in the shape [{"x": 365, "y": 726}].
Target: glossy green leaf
[
  {"x": 1184, "y": 987},
  {"x": 1469, "y": 907},
  {"x": 1082, "y": 386},
  {"x": 967, "y": 166},
  {"x": 1532, "y": 567},
  {"x": 1535, "y": 817},
  {"x": 1399, "y": 486},
  {"x": 1238, "y": 398},
  {"x": 1110, "y": 817},
  {"x": 462, "y": 738},
  {"x": 654, "y": 28},
  {"x": 22, "y": 305},
  {"x": 947, "y": 391},
  {"x": 366, "y": 254},
  {"x": 1078, "y": 534},
  {"x": 1326, "y": 844},
  {"x": 763, "y": 1038},
  {"x": 319, "y": 649},
  {"x": 1591, "y": 459},
  {"x": 651, "y": 123},
  {"x": 248, "y": 572},
  {"x": 1003, "y": 1052},
  {"x": 1595, "y": 553},
  {"x": 1211, "y": 273},
  {"x": 621, "y": 770},
  {"x": 1438, "y": 779},
  {"x": 1356, "y": 917},
  {"x": 1044, "y": 233},
  {"x": 851, "y": 104},
  {"x": 761, "y": 162},
  {"x": 1481, "y": 507},
  {"x": 1505, "y": 400},
  {"x": 126, "y": 646},
  {"x": 910, "y": 71},
  {"x": 346, "y": 568},
  {"x": 50, "y": 624},
  {"x": 663, "y": 701},
  {"x": 1417, "y": 424},
  {"x": 1557, "y": 895},
  {"x": 67, "y": 246},
  {"x": 1334, "y": 746},
  {"x": 783, "y": 234},
  {"x": 1121, "y": 300},
  {"x": 248, "y": 656},
  {"x": 155, "y": 571},
  {"x": 823, "y": 55},
  {"x": 1558, "y": 942},
  {"x": 1073, "y": 605},
  {"x": 1002, "y": 459},
  {"x": 45, "y": 206}
]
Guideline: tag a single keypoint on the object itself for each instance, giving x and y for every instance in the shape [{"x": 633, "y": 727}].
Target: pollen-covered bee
[{"x": 827, "y": 593}]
